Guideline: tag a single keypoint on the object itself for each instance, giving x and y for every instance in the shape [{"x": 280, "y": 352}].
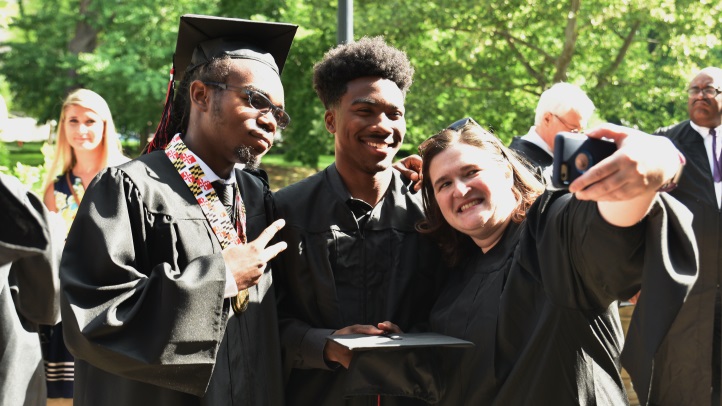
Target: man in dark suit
[
  {"x": 562, "y": 107},
  {"x": 691, "y": 352}
]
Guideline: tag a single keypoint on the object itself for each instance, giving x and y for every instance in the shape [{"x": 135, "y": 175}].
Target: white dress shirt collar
[{"x": 536, "y": 139}]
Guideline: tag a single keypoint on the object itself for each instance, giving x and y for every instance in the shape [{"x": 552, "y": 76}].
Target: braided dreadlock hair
[{"x": 177, "y": 108}]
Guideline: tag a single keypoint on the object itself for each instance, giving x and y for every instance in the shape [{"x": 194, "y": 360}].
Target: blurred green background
[{"x": 486, "y": 59}]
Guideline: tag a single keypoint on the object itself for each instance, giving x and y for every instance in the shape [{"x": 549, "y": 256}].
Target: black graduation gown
[
  {"x": 541, "y": 309},
  {"x": 683, "y": 375},
  {"x": 29, "y": 255},
  {"x": 541, "y": 162},
  {"x": 335, "y": 274},
  {"x": 143, "y": 309}
]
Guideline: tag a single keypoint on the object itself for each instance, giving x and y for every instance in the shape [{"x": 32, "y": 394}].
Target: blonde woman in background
[{"x": 86, "y": 144}]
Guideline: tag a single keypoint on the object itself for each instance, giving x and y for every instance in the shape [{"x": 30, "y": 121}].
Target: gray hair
[
  {"x": 711, "y": 71},
  {"x": 562, "y": 98}
]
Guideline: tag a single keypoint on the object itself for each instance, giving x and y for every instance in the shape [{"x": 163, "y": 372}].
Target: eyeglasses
[
  {"x": 259, "y": 102},
  {"x": 707, "y": 91},
  {"x": 459, "y": 124},
  {"x": 571, "y": 128}
]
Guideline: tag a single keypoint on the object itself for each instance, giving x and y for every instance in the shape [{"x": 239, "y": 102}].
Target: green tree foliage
[
  {"x": 486, "y": 59},
  {"x": 492, "y": 59},
  {"x": 122, "y": 49}
]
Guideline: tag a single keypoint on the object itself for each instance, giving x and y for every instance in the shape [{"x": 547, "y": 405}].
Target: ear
[
  {"x": 548, "y": 117},
  {"x": 330, "y": 119},
  {"x": 200, "y": 95}
]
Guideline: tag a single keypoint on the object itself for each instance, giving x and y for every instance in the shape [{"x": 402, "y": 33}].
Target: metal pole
[{"x": 345, "y": 21}]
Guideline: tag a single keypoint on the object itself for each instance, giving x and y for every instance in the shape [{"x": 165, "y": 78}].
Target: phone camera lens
[{"x": 582, "y": 161}]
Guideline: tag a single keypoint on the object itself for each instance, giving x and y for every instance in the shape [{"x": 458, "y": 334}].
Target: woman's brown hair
[{"x": 526, "y": 186}]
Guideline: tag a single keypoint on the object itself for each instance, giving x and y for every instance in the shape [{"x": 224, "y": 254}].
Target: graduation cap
[{"x": 202, "y": 39}]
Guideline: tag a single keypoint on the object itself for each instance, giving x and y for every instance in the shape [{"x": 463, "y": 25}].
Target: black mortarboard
[{"x": 204, "y": 38}]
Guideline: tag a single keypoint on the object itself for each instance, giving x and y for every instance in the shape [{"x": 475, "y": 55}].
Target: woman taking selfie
[{"x": 535, "y": 275}]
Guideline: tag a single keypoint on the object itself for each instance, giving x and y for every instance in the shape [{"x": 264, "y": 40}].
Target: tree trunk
[
  {"x": 570, "y": 42},
  {"x": 85, "y": 39}
]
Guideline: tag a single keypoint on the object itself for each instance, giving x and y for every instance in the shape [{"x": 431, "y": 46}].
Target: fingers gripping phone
[{"x": 575, "y": 154}]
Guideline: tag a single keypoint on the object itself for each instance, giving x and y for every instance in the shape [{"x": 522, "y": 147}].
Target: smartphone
[{"x": 574, "y": 154}]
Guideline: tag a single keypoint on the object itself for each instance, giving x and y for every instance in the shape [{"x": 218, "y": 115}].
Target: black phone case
[{"x": 576, "y": 153}]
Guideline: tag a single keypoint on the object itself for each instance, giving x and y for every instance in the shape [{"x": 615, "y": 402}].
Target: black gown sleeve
[
  {"x": 302, "y": 343},
  {"x": 30, "y": 243},
  {"x": 583, "y": 261},
  {"x": 137, "y": 300},
  {"x": 658, "y": 255},
  {"x": 670, "y": 270}
]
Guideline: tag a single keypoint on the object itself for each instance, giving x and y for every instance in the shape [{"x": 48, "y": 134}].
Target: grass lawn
[
  {"x": 27, "y": 153},
  {"x": 282, "y": 173},
  {"x": 278, "y": 160}
]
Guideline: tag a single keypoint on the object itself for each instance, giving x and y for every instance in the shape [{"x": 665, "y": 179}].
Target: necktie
[
  {"x": 717, "y": 170},
  {"x": 225, "y": 195}
]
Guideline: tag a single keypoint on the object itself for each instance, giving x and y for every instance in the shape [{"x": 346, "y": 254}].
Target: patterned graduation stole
[{"x": 187, "y": 166}]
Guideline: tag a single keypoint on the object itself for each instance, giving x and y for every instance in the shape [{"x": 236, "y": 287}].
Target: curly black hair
[{"x": 365, "y": 57}]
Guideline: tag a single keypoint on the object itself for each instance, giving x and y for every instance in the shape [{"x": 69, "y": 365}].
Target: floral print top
[{"x": 65, "y": 199}]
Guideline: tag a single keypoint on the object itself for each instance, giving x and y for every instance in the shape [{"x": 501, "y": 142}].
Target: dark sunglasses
[
  {"x": 259, "y": 102},
  {"x": 459, "y": 124}
]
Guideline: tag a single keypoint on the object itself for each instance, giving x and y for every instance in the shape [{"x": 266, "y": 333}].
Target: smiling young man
[
  {"x": 688, "y": 368},
  {"x": 167, "y": 299},
  {"x": 356, "y": 259}
]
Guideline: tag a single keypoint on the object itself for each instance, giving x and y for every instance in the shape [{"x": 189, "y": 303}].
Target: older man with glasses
[
  {"x": 562, "y": 107},
  {"x": 688, "y": 364}
]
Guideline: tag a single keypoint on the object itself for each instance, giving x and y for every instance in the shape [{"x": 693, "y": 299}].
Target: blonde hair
[{"x": 64, "y": 159}]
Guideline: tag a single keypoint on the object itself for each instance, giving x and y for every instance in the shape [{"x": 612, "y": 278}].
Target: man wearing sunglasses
[
  {"x": 168, "y": 299},
  {"x": 690, "y": 370},
  {"x": 355, "y": 261},
  {"x": 562, "y": 107}
]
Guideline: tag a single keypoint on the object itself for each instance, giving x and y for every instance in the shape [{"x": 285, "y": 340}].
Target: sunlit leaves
[{"x": 486, "y": 59}]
